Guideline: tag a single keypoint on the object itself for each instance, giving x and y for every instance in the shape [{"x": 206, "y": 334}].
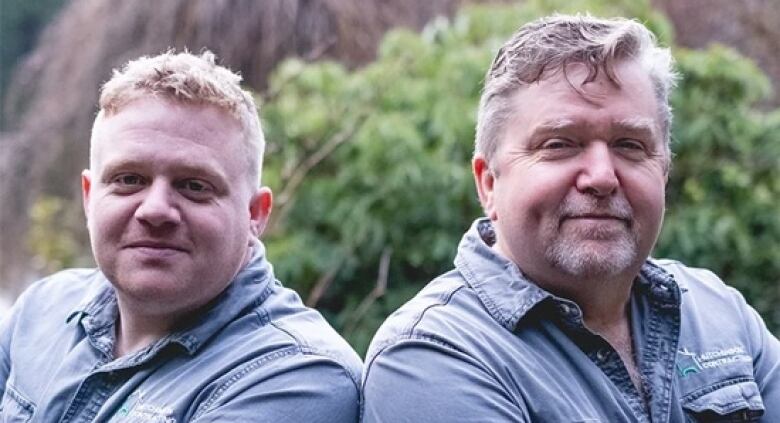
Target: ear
[
  {"x": 86, "y": 186},
  {"x": 484, "y": 178},
  {"x": 259, "y": 209}
]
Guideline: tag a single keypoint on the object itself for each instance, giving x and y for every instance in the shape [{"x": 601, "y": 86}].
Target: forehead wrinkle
[{"x": 555, "y": 124}]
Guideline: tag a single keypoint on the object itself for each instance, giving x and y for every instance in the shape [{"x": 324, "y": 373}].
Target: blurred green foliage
[
  {"x": 54, "y": 248},
  {"x": 374, "y": 163},
  {"x": 723, "y": 209}
]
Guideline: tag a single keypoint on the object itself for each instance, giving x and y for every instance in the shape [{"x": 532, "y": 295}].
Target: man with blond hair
[
  {"x": 554, "y": 311},
  {"x": 183, "y": 320}
]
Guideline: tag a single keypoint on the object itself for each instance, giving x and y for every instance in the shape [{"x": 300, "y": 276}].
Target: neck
[
  {"x": 604, "y": 303},
  {"x": 135, "y": 331},
  {"x": 603, "y": 299},
  {"x": 140, "y": 324}
]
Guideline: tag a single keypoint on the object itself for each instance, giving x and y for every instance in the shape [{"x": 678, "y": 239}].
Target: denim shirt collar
[
  {"x": 509, "y": 295},
  {"x": 97, "y": 312}
]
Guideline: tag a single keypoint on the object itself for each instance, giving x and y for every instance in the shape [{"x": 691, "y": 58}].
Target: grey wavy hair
[
  {"x": 546, "y": 46},
  {"x": 190, "y": 79}
]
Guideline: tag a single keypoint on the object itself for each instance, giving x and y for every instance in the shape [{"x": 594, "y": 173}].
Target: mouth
[
  {"x": 596, "y": 217},
  {"x": 155, "y": 247}
]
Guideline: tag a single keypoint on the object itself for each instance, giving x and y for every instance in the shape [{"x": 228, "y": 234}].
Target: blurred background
[{"x": 369, "y": 109}]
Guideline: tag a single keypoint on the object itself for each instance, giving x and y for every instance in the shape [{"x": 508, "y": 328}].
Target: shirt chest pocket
[
  {"x": 730, "y": 402},
  {"x": 15, "y": 408}
]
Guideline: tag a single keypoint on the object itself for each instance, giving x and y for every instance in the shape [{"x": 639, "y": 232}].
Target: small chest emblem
[
  {"x": 135, "y": 409},
  {"x": 689, "y": 362}
]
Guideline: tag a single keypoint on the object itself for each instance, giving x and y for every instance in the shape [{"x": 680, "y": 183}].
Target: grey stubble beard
[{"x": 570, "y": 251}]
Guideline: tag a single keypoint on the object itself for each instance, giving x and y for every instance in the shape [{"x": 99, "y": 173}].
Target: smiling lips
[
  {"x": 596, "y": 219},
  {"x": 155, "y": 249}
]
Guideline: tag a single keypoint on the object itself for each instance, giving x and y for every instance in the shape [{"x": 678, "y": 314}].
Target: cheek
[
  {"x": 648, "y": 198},
  {"x": 538, "y": 193},
  {"x": 219, "y": 227},
  {"x": 107, "y": 219}
]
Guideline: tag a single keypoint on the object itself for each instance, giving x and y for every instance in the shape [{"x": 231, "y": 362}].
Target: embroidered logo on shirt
[
  {"x": 689, "y": 362},
  {"x": 134, "y": 410}
]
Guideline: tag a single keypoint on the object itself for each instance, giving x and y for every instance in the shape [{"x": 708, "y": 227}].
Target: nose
[
  {"x": 157, "y": 207},
  {"x": 597, "y": 176}
]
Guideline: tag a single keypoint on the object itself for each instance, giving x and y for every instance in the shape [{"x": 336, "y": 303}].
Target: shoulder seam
[
  {"x": 246, "y": 369},
  {"x": 255, "y": 364},
  {"x": 406, "y": 337},
  {"x": 444, "y": 301}
]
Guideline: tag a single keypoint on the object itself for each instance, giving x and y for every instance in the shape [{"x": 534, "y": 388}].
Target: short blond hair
[{"x": 190, "y": 79}]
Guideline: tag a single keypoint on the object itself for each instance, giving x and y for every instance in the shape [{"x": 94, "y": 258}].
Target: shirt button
[
  {"x": 602, "y": 354},
  {"x": 661, "y": 290},
  {"x": 568, "y": 310}
]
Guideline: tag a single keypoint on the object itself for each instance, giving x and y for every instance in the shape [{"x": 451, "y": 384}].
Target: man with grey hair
[
  {"x": 183, "y": 320},
  {"x": 554, "y": 311}
]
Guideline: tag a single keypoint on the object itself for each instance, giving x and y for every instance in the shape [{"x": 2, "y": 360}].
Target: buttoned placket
[
  {"x": 655, "y": 347},
  {"x": 659, "y": 340},
  {"x": 601, "y": 353},
  {"x": 108, "y": 374}
]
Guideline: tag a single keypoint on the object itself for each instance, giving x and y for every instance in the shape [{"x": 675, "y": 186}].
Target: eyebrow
[{"x": 636, "y": 125}]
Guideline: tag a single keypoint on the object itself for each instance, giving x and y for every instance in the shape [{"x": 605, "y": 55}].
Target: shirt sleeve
[
  {"x": 295, "y": 388},
  {"x": 421, "y": 380},
  {"x": 766, "y": 365},
  {"x": 7, "y": 324},
  {"x": 5, "y": 364}
]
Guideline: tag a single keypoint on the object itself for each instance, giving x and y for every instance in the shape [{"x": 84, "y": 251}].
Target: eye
[
  {"x": 557, "y": 144},
  {"x": 127, "y": 183},
  {"x": 195, "y": 188},
  {"x": 128, "y": 179},
  {"x": 630, "y": 144},
  {"x": 195, "y": 185},
  {"x": 631, "y": 149},
  {"x": 557, "y": 149}
]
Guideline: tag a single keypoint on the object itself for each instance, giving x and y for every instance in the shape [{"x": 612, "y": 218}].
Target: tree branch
[
  {"x": 283, "y": 200},
  {"x": 322, "y": 285},
  {"x": 379, "y": 290}
]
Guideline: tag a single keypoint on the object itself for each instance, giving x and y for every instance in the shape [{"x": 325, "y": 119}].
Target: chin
[
  {"x": 589, "y": 261},
  {"x": 592, "y": 268},
  {"x": 152, "y": 284}
]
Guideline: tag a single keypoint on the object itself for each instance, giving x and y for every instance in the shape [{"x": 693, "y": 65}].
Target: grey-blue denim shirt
[
  {"x": 256, "y": 354},
  {"x": 484, "y": 344}
]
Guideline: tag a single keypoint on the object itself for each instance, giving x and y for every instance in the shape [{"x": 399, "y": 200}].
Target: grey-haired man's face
[{"x": 577, "y": 182}]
